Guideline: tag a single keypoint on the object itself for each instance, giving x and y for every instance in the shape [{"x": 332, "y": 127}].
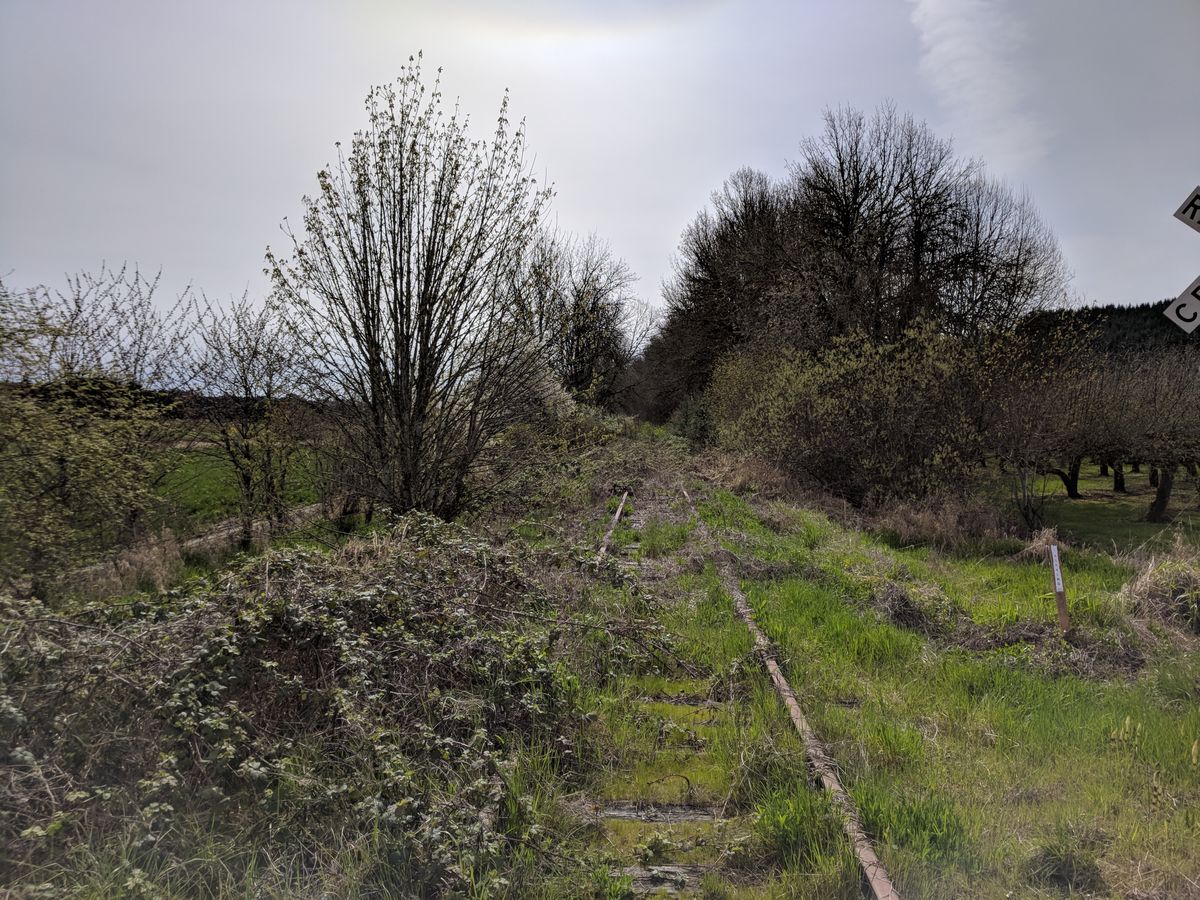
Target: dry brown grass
[
  {"x": 153, "y": 564},
  {"x": 947, "y": 523},
  {"x": 745, "y": 474},
  {"x": 1167, "y": 586},
  {"x": 1038, "y": 546}
]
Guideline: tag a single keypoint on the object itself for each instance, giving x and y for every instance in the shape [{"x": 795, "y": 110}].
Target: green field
[
  {"x": 200, "y": 487},
  {"x": 1105, "y": 519}
]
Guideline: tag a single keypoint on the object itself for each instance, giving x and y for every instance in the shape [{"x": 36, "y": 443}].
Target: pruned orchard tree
[
  {"x": 401, "y": 288},
  {"x": 1165, "y": 404}
]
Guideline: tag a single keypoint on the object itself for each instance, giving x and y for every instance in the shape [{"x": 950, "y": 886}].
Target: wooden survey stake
[{"x": 1060, "y": 592}]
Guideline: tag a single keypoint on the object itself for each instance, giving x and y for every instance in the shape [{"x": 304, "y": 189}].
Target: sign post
[
  {"x": 1060, "y": 592},
  {"x": 1184, "y": 311}
]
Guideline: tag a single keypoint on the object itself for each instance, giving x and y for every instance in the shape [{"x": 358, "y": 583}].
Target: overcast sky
[{"x": 179, "y": 135}]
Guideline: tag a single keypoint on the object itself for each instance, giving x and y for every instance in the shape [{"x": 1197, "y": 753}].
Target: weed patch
[
  {"x": 926, "y": 825},
  {"x": 379, "y": 695},
  {"x": 799, "y": 829},
  {"x": 1066, "y": 859}
]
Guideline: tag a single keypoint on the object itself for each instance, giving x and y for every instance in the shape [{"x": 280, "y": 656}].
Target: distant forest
[{"x": 1117, "y": 328}]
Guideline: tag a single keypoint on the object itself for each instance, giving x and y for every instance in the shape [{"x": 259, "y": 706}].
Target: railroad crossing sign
[
  {"x": 1189, "y": 213},
  {"x": 1184, "y": 311}
]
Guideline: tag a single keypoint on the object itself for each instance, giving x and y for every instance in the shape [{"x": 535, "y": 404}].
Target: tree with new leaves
[
  {"x": 400, "y": 286},
  {"x": 84, "y": 373}
]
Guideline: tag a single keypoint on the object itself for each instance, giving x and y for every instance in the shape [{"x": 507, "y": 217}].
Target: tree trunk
[
  {"x": 1135, "y": 467},
  {"x": 1026, "y": 499},
  {"x": 1162, "y": 496},
  {"x": 1154, "y": 476},
  {"x": 1103, "y": 470},
  {"x": 1190, "y": 468},
  {"x": 1070, "y": 478},
  {"x": 1118, "y": 471}
]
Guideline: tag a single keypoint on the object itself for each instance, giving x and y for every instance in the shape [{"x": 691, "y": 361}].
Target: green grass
[
  {"x": 716, "y": 737},
  {"x": 1003, "y": 590},
  {"x": 1108, "y": 520},
  {"x": 661, "y": 538},
  {"x": 962, "y": 761},
  {"x": 201, "y": 488}
]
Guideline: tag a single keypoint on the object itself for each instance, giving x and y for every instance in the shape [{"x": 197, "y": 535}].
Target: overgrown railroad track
[{"x": 676, "y": 877}]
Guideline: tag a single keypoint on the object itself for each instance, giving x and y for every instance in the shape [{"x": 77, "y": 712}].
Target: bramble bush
[{"x": 298, "y": 703}]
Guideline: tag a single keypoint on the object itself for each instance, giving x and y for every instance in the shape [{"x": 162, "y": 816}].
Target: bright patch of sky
[{"x": 180, "y": 135}]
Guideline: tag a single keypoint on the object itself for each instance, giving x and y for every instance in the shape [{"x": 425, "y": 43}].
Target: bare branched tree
[
  {"x": 111, "y": 324},
  {"x": 578, "y": 306},
  {"x": 400, "y": 287},
  {"x": 1002, "y": 263},
  {"x": 1164, "y": 405},
  {"x": 251, "y": 364}
]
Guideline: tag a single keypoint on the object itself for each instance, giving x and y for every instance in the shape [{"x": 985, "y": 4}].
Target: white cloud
[{"x": 970, "y": 56}]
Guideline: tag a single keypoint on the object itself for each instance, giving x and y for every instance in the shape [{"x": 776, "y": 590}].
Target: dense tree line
[
  {"x": 888, "y": 320},
  {"x": 878, "y": 226},
  {"x": 1115, "y": 328}
]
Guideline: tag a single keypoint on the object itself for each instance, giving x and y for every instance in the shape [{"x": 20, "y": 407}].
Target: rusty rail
[
  {"x": 612, "y": 526},
  {"x": 814, "y": 750}
]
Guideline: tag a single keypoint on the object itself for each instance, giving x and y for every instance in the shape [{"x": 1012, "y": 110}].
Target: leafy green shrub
[
  {"x": 74, "y": 475},
  {"x": 305, "y": 700},
  {"x": 864, "y": 420}
]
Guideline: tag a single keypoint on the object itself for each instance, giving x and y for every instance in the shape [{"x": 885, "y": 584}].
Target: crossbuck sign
[{"x": 1184, "y": 311}]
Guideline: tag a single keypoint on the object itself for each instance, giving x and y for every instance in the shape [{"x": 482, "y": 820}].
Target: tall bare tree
[
  {"x": 251, "y": 363},
  {"x": 400, "y": 287},
  {"x": 578, "y": 306}
]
